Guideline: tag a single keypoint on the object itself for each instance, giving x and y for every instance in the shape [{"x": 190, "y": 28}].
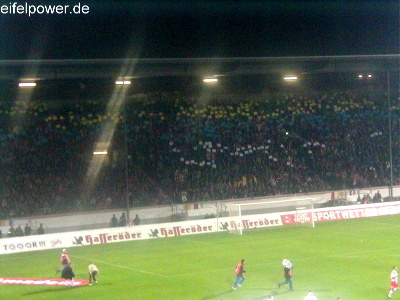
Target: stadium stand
[{"x": 207, "y": 149}]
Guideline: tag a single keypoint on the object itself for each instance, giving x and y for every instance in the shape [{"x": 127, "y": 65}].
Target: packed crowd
[{"x": 183, "y": 148}]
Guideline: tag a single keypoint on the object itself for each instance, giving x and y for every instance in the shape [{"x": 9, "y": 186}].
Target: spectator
[
  {"x": 122, "y": 220},
  {"x": 18, "y": 231},
  {"x": 11, "y": 232},
  {"x": 184, "y": 196},
  {"x": 136, "y": 220},
  {"x": 114, "y": 221},
  {"x": 40, "y": 229},
  {"x": 366, "y": 199},
  {"x": 27, "y": 230},
  {"x": 378, "y": 197}
]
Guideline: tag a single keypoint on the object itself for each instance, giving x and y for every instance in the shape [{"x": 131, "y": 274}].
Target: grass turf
[{"x": 352, "y": 259}]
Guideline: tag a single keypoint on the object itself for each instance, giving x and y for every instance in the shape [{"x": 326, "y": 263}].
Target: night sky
[{"x": 183, "y": 29}]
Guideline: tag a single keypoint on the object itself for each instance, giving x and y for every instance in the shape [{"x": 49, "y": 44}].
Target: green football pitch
[{"x": 352, "y": 259}]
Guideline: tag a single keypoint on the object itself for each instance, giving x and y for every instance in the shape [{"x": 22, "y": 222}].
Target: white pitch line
[
  {"x": 269, "y": 263},
  {"x": 201, "y": 272},
  {"x": 344, "y": 255},
  {"x": 123, "y": 267},
  {"x": 151, "y": 273}
]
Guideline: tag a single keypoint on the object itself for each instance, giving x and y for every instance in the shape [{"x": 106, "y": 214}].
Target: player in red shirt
[
  {"x": 394, "y": 284},
  {"x": 64, "y": 260},
  {"x": 239, "y": 271}
]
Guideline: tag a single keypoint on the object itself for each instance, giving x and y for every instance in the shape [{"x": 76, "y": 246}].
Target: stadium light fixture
[
  {"x": 210, "y": 80},
  {"x": 100, "y": 153},
  {"x": 27, "y": 84},
  {"x": 361, "y": 76},
  {"x": 123, "y": 82},
  {"x": 290, "y": 78}
]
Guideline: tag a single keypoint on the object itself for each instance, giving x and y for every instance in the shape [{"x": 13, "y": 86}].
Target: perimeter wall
[
  {"x": 175, "y": 229},
  {"x": 181, "y": 212}
]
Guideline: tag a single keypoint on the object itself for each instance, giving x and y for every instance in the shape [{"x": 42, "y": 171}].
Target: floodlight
[
  {"x": 123, "y": 82},
  {"x": 290, "y": 78},
  {"x": 210, "y": 80},
  {"x": 27, "y": 84},
  {"x": 100, "y": 153}
]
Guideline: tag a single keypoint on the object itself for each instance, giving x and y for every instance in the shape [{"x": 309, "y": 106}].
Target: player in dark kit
[{"x": 68, "y": 274}]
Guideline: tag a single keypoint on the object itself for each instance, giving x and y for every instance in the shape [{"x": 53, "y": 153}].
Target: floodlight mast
[
  {"x": 126, "y": 162},
  {"x": 240, "y": 218},
  {"x": 125, "y": 83},
  {"x": 390, "y": 136}
]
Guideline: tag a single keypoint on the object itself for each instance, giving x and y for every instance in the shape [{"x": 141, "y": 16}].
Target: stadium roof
[{"x": 152, "y": 67}]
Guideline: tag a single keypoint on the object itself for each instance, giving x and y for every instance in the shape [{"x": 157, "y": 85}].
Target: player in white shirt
[
  {"x": 310, "y": 296},
  {"x": 93, "y": 272},
  {"x": 394, "y": 284}
]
